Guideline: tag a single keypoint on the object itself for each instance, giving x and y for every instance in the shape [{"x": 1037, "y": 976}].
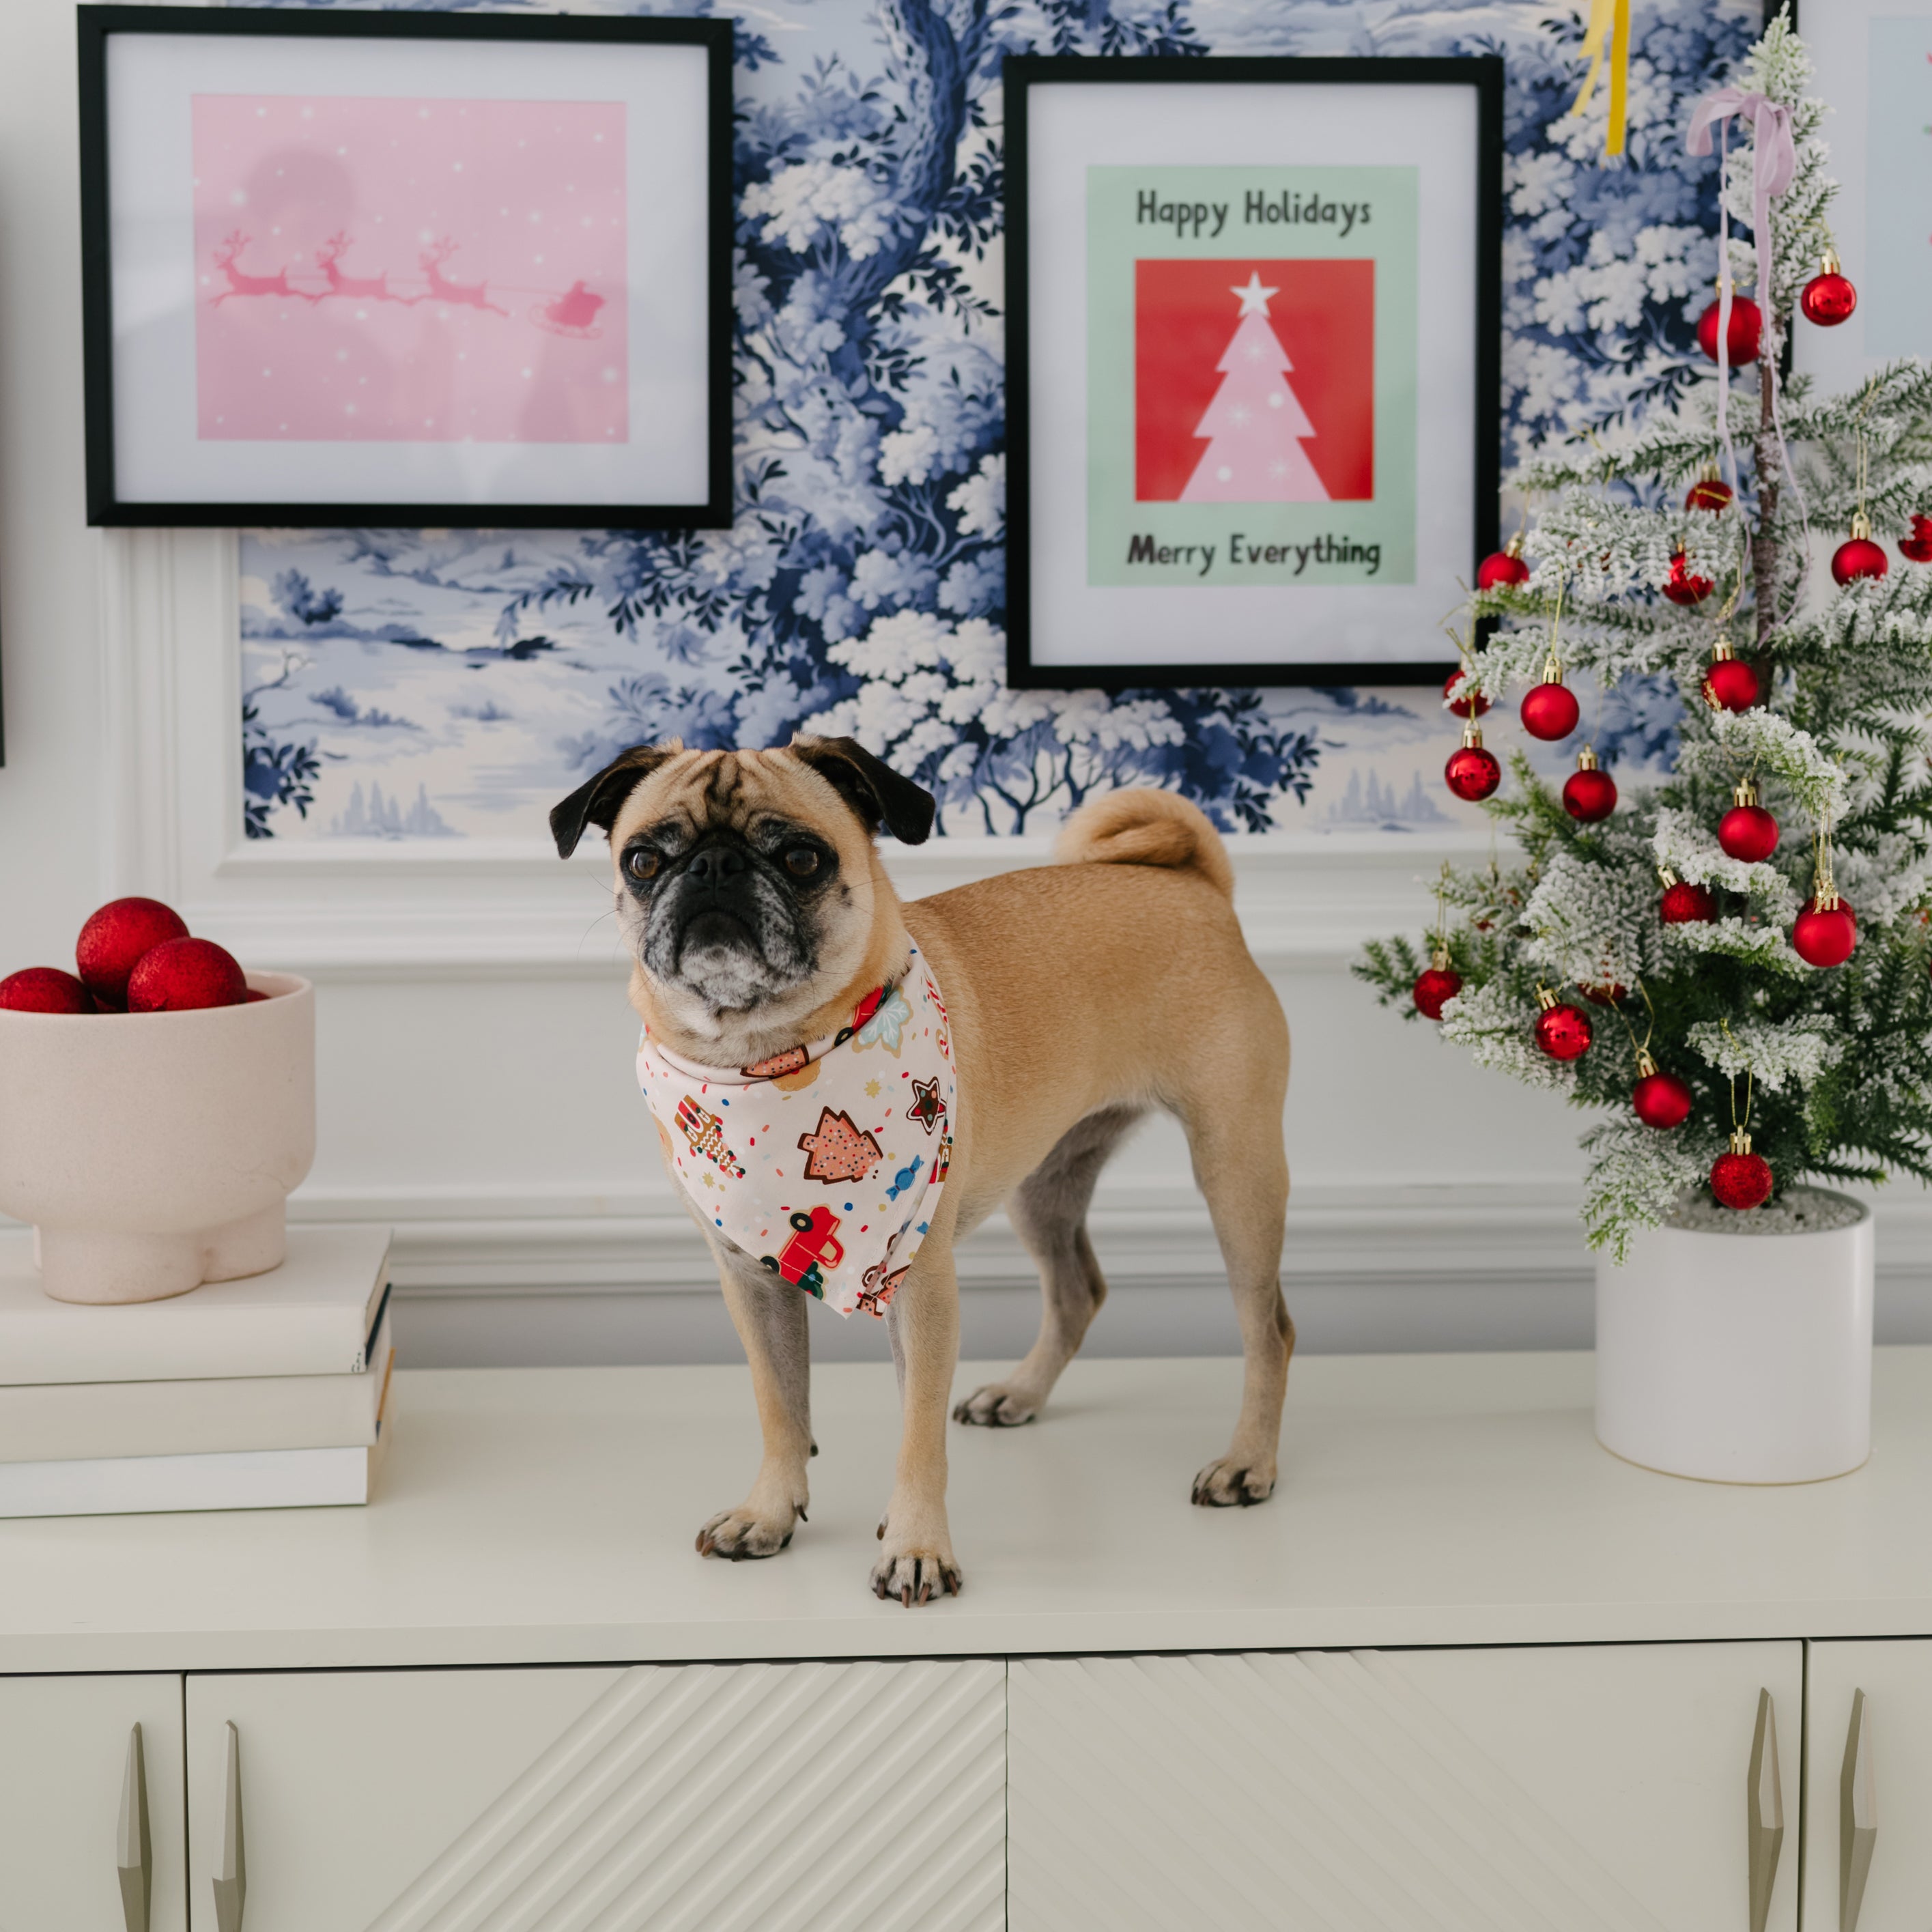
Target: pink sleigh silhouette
[{"x": 574, "y": 313}]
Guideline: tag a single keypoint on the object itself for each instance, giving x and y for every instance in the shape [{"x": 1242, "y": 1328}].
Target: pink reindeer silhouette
[
  {"x": 362, "y": 288},
  {"x": 460, "y": 295},
  {"x": 240, "y": 283}
]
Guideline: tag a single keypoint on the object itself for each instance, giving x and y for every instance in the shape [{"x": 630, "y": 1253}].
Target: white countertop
[{"x": 535, "y": 1515}]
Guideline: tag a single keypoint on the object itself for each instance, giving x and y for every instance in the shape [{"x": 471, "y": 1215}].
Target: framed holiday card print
[
  {"x": 353, "y": 267},
  {"x": 1254, "y": 342}
]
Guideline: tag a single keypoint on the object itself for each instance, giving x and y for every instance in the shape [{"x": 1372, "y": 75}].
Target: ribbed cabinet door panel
[
  {"x": 787, "y": 1797},
  {"x": 66, "y": 1784},
  {"x": 1868, "y": 1821},
  {"x": 1592, "y": 1790}
]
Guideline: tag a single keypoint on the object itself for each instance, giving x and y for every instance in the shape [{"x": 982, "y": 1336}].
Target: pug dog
[{"x": 1081, "y": 995}]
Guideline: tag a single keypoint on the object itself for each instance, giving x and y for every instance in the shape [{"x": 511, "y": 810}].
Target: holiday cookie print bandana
[{"x": 824, "y": 1161}]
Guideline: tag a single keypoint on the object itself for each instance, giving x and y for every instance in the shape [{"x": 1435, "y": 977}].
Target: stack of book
[{"x": 267, "y": 1393}]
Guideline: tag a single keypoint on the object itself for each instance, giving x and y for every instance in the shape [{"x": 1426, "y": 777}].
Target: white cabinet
[
  {"x": 1867, "y": 1850},
  {"x": 703, "y": 1798},
  {"x": 1599, "y": 1790},
  {"x": 79, "y": 1799}
]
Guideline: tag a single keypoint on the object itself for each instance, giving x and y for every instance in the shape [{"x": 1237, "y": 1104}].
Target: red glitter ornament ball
[
  {"x": 1739, "y": 1178},
  {"x": 1607, "y": 994},
  {"x": 1682, "y": 585},
  {"x": 1550, "y": 710},
  {"x": 1710, "y": 492},
  {"x": 1685, "y": 904},
  {"x": 1823, "y": 937},
  {"x": 1858, "y": 557},
  {"x": 45, "y": 989},
  {"x": 114, "y": 939},
  {"x": 1749, "y": 832},
  {"x": 1828, "y": 298},
  {"x": 1662, "y": 1101},
  {"x": 1730, "y": 685},
  {"x": 180, "y": 974},
  {"x": 1503, "y": 569},
  {"x": 1589, "y": 794},
  {"x": 1434, "y": 988},
  {"x": 1917, "y": 548},
  {"x": 1743, "y": 339},
  {"x": 1563, "y": 1032},
  {"x": 1473, "y": 706},
  {"x": 1472, "y": 772}
]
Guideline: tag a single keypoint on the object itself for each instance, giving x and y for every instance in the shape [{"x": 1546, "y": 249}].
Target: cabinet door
[
  {"x": 703, "y": 1797},
  {"x": 78, "y": 1798},
  {"x": 1597, "y": 1790},
  {"x": 1868, "y": 1786}
]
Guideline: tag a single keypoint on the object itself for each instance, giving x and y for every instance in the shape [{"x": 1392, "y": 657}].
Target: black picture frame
[
  {"x": 97, "y": 25},
  {"x": 1483, "y": 73}
]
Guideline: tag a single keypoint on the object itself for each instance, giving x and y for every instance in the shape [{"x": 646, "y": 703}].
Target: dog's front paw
[
  {"x": 745, "y": 1532},
  {"x": 998, "y": 1405},
  {"x": 915, "y": 1576},
  {"x": 1225, "y": 1484}
]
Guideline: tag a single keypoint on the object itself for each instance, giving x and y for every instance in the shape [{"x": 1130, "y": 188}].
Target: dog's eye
[
  {"x": 801, "y": 861},
  {"x": 643, "y": 863}
]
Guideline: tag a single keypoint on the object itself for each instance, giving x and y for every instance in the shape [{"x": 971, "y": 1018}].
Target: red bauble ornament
[
  {"x": 1684, "y": 903},
  {"x": 1589, "y": 794},
  {"x": 1661, "y": 1100},
  {"x": 1607, "y": 994},
  {"x": 45, "y": 989},
  {"x": 1472, "y": 772},
  {"x": 1858, "y": 556},
  {"x": 1748, "y": 831},
  {"x": 1503, "y": 569},
  {"x": 1682, "y": 585},
  {"x": 1917, "y": 548},
  {"x": 1730, "y": 684},
  {"x": 1473, "y": 706},
  {"x": 180, "y": 974},
  {"x": 1744, "y": 338},
  {"x": 1739, "y": 1178},
  {"x": 1435, "y": 988},
  {"x": 1824, "y": 935},
  {"x": 113, "y": 939},
  {"x": 1550, "y": 710},
  {"x": 1562, "y": 1031},
  {"x": 1710, "y": 491},
  {"x": 1828, "y": 298}
]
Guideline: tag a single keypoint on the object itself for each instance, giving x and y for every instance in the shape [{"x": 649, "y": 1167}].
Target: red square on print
[{"x": 1254, "y": 381}]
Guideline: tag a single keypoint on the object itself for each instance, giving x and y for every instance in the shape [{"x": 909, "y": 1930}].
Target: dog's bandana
[{"x": 824, "y": 1161}]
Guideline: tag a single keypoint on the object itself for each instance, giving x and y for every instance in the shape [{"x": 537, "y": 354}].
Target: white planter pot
[
  {"x": 1736, "y": 1357},
  {"x": 153, "y": 1152}
]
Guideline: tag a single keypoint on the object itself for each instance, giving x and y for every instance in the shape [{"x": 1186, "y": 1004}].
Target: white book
[
  {"x": 313, "y": 1315},
  {"x": 57, "y": 1422},
  {"x": 241, "y": 1479}
]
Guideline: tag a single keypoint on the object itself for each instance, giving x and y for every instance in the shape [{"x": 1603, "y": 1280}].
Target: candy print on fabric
[
  {"x": 841, "y": 1150},
  {"x": 864, "y": 1121}
]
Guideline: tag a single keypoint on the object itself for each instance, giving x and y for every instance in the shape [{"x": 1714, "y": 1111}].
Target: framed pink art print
[{"x": 357, "y": 267}]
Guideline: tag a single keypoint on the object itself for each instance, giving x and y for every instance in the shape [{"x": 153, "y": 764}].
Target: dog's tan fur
[{"x": 1081, "y": 995}]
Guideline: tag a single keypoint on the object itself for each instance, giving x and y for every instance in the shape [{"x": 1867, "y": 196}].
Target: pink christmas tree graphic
[{"x": 1256, "y": 425}]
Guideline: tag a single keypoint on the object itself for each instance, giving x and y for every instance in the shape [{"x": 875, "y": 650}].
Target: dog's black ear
[
  {"x": 870, "y": 786},
  {"x": 598, "y": 802}
]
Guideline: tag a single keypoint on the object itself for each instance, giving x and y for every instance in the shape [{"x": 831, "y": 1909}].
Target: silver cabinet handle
[
  {"x": 1857, "y": 1815},
  {"x": 231, "y": 1876},
  {"x": 133, "y": 1854},
  {"x": 1764, "y": 1810}
]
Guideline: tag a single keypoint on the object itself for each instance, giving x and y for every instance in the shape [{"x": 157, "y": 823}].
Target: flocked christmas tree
[
  {"x": 1732, "y": 967},
  {"x": 1255, "y": 424}
]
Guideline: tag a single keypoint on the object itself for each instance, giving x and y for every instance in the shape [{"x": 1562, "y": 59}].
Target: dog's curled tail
[{"x": 1143, "y": 826}]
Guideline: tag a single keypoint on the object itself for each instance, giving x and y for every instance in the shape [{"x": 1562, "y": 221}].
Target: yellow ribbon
[{"x": 1609, "y": 23}]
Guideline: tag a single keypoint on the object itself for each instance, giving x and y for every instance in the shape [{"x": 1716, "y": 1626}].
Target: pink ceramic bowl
[{"x": 153, "y": 1152}]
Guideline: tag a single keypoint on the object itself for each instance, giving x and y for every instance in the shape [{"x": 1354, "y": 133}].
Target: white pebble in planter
[
  {"x": 1738, "y": 1349},
  {"x": 153, "y": 1152}
]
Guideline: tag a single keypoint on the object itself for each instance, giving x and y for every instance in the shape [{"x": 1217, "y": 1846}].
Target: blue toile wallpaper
[{"x": 448, "y": 685}]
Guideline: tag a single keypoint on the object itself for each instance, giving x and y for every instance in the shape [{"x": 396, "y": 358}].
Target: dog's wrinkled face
[{"x": 746, "y": 888}]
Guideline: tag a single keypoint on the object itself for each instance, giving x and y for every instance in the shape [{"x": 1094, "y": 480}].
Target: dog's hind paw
[
  {"x": 915, "y": 1577},
  {"x": 996, "y": 1406},
  {"x": 740, "y": 1534},
  {"x": 1226, "y": 1484}
]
